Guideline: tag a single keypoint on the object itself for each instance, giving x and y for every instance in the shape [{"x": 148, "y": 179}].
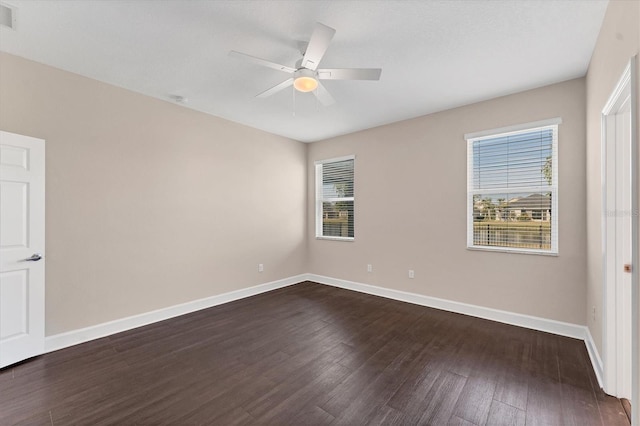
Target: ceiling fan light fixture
[{"x": 305, "y": 81}]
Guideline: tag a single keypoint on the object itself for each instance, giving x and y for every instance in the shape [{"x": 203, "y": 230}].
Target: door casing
[{"x": 627, "y": 86}]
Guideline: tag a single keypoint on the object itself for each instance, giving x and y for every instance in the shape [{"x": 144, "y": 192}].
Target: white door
[
  {"x": 623, "y": 246},
  {"x": 21, "y": 247},
  {"x": 618, "y": 241}
]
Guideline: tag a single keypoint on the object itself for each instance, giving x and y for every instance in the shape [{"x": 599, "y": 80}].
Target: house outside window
[
  {"x": 335, "y": 198},
  {"x": 512, "y": 189}
]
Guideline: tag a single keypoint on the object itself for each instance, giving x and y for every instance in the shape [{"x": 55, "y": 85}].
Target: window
[
  {"x": 334, "y": 198},
  {"x": 512, "y": 189}
]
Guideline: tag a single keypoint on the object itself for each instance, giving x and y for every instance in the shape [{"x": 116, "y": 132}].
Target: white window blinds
[
  {"x": 335, "y": 198},
  {"x": 512, "y": 198}
]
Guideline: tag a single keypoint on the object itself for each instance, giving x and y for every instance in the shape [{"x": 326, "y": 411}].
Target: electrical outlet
[
  {"x": 411, "y": 273},
  {"x": 369, "y": 268},
  {"x": 260, "y": 267}
]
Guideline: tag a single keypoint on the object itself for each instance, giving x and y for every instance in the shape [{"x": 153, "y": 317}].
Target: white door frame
[{"x": 628, "y": 82}]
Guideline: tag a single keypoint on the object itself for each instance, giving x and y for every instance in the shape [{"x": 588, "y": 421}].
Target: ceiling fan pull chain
[{"x": 294, "y": 102}]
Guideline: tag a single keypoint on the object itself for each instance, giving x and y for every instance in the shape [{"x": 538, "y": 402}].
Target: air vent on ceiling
[{"x": 7, "y": 16}]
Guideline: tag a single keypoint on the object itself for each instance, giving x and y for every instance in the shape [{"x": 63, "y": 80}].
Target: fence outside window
[{"x": 532, "y": 235}]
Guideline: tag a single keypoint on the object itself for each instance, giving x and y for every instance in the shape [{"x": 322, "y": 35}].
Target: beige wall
[
  {"x": 617, "y": 43},
  {"x": 411, "y": 209},
  {"x": 150, "y": 204}
]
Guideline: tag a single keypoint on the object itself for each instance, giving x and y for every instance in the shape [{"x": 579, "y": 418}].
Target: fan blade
[
  {"x": 323, "y": 95},
  {"x": 318, "y": 44},
  {"x": 276, "y": 88},
  {"x": 262, "y": 62},
  {"x": 349, "y": 74}
]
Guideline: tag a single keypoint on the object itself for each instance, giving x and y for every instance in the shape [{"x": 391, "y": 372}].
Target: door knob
[
  {"x": 34, "y": 257},
  {"x": 627, "y": 267}
]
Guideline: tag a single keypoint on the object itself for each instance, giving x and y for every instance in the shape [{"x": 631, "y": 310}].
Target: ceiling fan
[{"x": 306, "y": 75}]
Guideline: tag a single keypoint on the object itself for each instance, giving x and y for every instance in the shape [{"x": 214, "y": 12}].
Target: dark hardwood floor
[{"x": 313, "y": 355}]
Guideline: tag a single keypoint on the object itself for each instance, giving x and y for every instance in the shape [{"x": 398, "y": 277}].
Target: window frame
[
  {"x": 552, "y": 124},
  {"x": 319, "y": 199}
]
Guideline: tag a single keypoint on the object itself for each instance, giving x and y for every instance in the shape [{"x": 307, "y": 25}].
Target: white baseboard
[
  {"x": 596, "y": 361},
  {"x": 74, "y": 337},
  {"x": 536, "y": 323},
  {"x": 575, "y": 331}
]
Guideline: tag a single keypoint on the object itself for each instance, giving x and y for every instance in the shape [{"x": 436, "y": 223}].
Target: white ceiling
[{"x": 435, "y": 55}]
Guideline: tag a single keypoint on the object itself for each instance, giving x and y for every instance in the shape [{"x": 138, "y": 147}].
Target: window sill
[
  {"x": 335, "y": 238},
  {"x": 512, "y": 250}
]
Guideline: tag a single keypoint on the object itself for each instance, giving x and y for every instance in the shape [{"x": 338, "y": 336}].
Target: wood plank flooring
[{"x": 312, "y": 354}]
